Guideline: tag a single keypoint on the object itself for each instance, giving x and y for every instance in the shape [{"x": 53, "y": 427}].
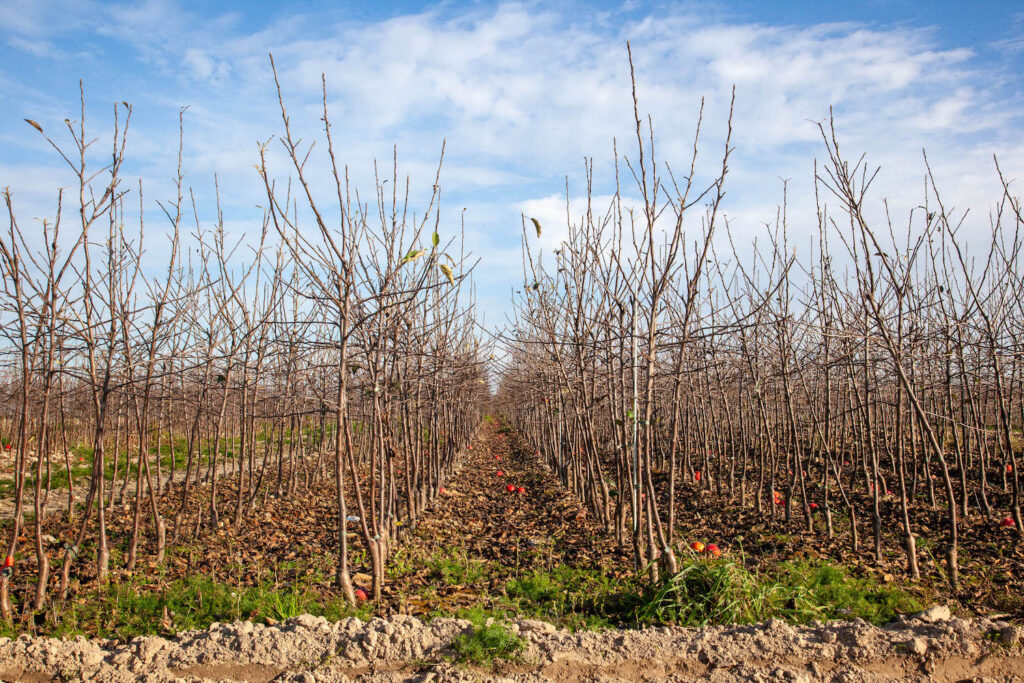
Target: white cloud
[{"x": 522, "y": 95}]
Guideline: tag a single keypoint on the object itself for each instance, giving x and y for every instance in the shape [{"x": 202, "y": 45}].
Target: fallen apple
[
  {"x": 696, "y": 475},
  {"x": 713, "y": 550},
  {"x": 361, "y": 595},
  {"x": 1009, "y": 469},
  {"x": 814, "y": 506},
  {"x": 1007, "y": 522},
  {"x": 697, "y": 547},
  {"x": 510, "y": 488},
  {"x": 522, "y": 489},
  {"x": 442, "y": 490},
  {"x": 499, "y": 473}
]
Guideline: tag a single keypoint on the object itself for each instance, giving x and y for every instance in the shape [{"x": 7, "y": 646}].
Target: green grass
[
  {"x": 705, "y": 592},
  {"x": 456, "y": 571},
  {"x": 573, "y": 597},
  {"x": 82, "y": 459},
  {"x": 487, "y": 642},
  {"x": 128, "y": 608},
  {"x": 723, "y": 591}
]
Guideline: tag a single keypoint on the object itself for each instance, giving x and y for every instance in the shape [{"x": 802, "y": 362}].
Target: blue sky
[{"x": 521, "y": 93}]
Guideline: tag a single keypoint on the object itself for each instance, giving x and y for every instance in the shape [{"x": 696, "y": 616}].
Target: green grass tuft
[
  {"x": 487, "y": 642},
  {"x": 723, "y": 591}
]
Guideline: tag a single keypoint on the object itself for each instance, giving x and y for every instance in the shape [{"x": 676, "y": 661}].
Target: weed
[
  {"x": 705, "y": 592},
  {"x": 724, "y": 592},
  {"x": 487, "y": 641},
  {"x": 456, "y": 571},
  {"x": 124, "y": 609}
]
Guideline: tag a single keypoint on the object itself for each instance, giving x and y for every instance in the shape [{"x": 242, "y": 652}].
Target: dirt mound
[{"x": 930, "y": 646}]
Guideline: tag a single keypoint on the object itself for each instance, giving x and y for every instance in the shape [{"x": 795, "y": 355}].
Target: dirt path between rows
[
  {"x": 496, "y": 533},
  {"x": 56, "y": 504}
]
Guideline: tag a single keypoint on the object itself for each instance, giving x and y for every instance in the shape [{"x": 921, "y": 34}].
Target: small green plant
[
  {"x": 706, "y": 592},
  {"x": 724, "y": 591},
  {"x": 455, "y": 571},
  {"x": 129, "y": 608},
  {"x": 487, "y": 642},
  {"x": 822, "y": 590}
]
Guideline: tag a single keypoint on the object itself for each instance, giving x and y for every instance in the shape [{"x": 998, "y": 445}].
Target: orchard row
[
  {"x": 340, "y": 352},
  {"x": 876, "y": 379}
]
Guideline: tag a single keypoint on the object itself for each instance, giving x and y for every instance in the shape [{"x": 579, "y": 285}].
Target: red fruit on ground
[
  {"x": 522, "y": 489},
  {"x": 713, "y": 550},
  {"x": 361, "y": 595},
  {"x": 1009, "y": 469},
  {"x": 442, "y": 490},
  {"x": 814, "y": 506},
  {"x": 500, "y": 473},
  {"x": 510, "y": 488},
  {"x": 696, "y": 475},
  {"x": 1007, "y": 522},
  {"x": 697, "y": 547}
]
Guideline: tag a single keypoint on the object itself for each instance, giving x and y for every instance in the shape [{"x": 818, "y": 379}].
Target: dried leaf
[
  {"x": 536, "y": 224},
  {"x": 413, "y": 255}
]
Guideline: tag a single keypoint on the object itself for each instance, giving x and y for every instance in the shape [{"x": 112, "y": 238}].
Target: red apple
[
  {"x": 361, "y": 595},
  {"x": 521, "y": 489},
  {"x": 500, "y": 473},
  {"x": 442, "y": 490},
  {"x": 814, "y": 506},
  {"x": 697, "y": 547},
  {"x": 696, "y": 475},
  {"x": 1007, "y": 522},
  {"x": 510, "y": 488},
  {"x": 713, "y": 550},
  {"x": 1009, "y": 468}
]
